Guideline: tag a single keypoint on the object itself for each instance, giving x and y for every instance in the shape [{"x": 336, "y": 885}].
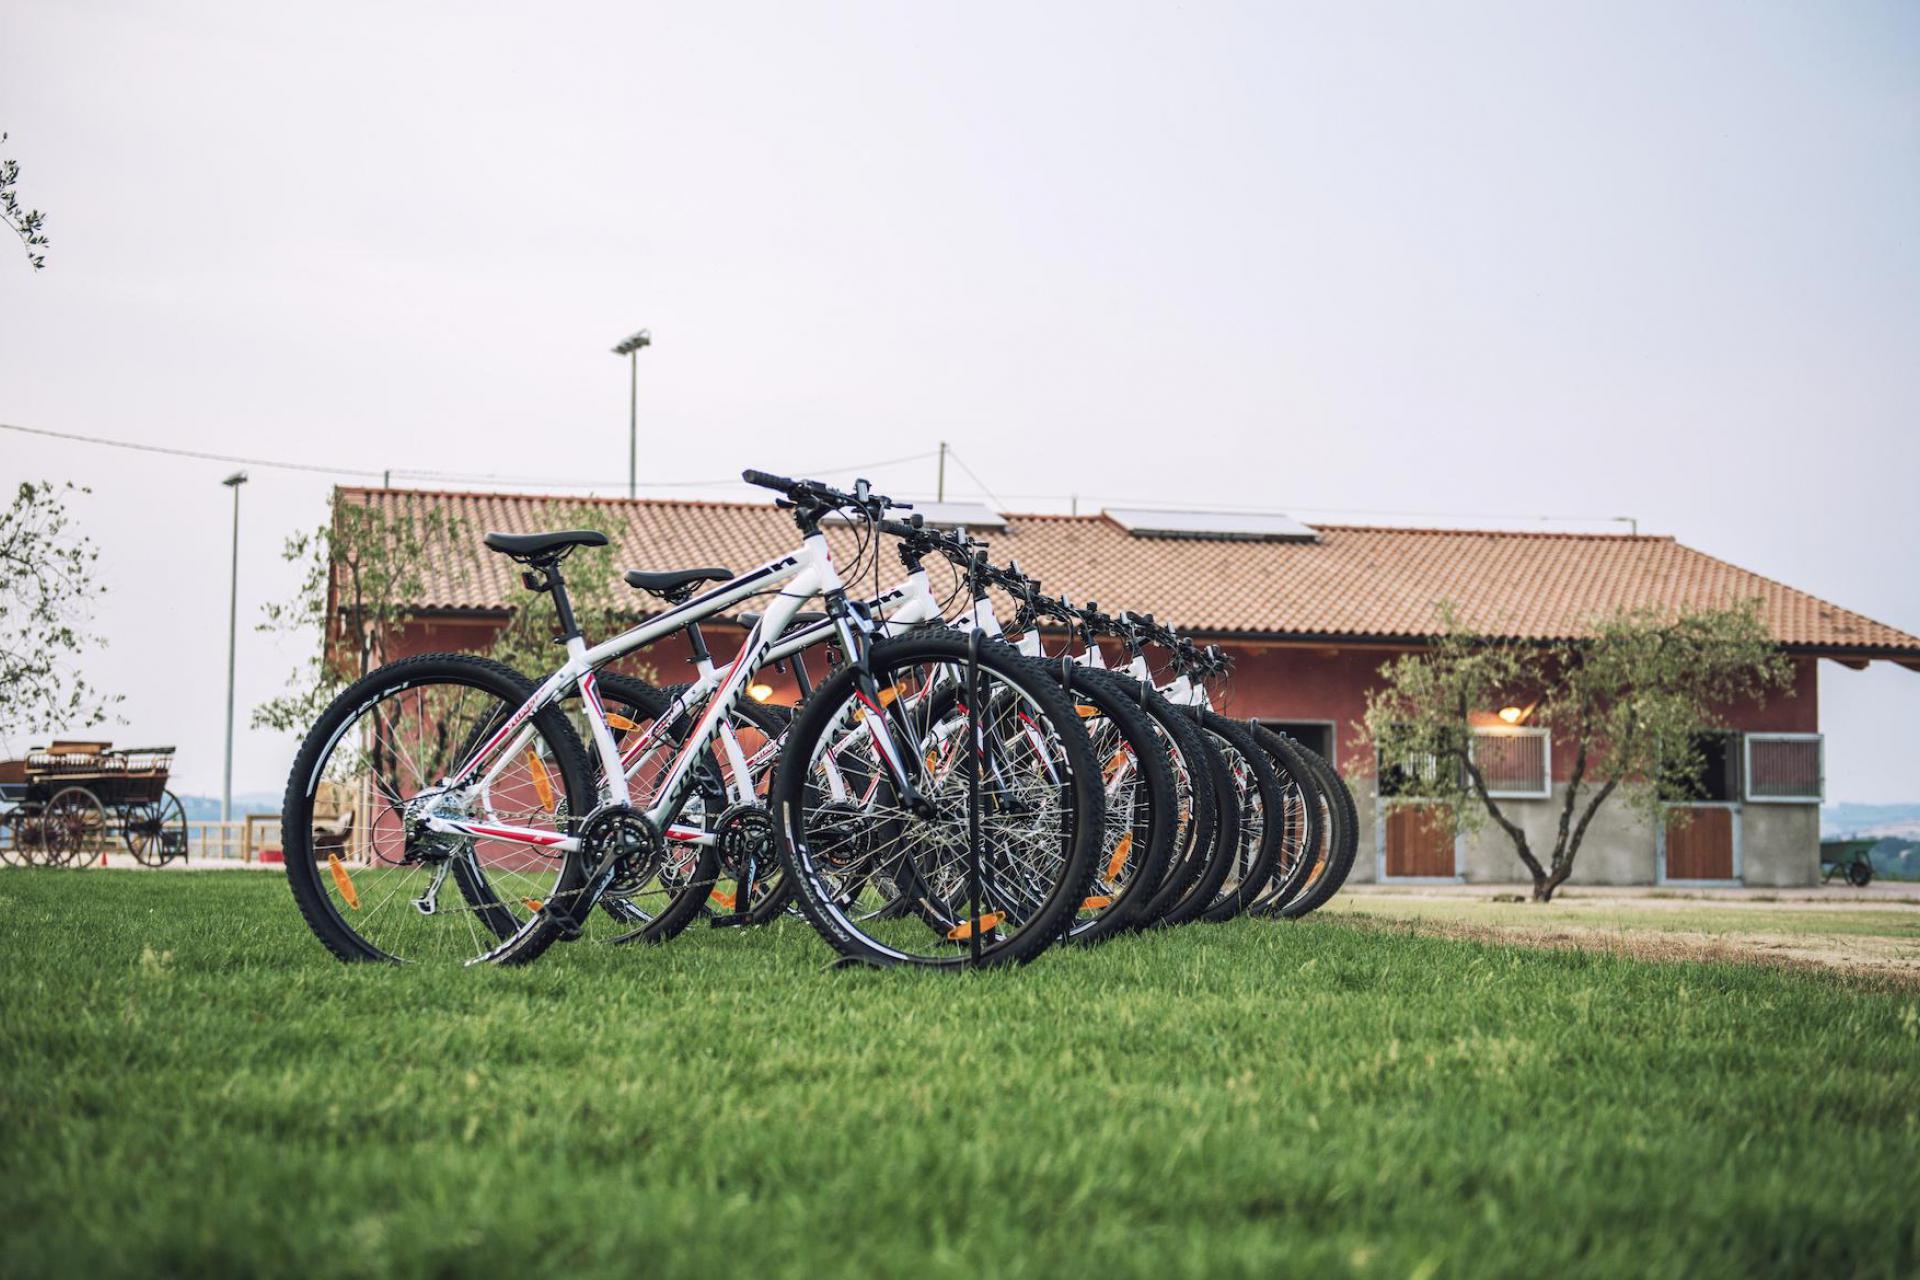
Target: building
[{"x": 1309, "y": 616}]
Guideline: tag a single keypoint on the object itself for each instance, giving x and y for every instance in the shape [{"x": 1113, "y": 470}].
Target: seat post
[{"x": 562, "y": 606}]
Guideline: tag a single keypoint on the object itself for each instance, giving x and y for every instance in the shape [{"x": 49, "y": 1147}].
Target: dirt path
[{"x": 1877, "y": 940}]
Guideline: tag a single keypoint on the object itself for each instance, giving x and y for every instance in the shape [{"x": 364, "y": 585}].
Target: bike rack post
[{"x": 976, "y": 745}]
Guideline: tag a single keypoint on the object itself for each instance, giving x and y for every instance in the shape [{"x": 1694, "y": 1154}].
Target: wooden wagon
[{"x": 72, "y": 801}]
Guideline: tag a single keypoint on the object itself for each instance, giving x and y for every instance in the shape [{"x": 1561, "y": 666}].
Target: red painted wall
[{"x": 1270, "y": 682}]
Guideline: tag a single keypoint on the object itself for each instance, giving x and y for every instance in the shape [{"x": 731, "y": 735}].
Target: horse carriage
[{"x": 72, "y": 802}]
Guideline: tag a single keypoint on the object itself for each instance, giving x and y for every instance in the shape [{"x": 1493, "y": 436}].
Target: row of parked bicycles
[{"x": 946, "y": 792}]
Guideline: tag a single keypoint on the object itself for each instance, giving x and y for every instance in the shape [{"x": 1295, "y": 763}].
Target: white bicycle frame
[{"x": 802, "y": 575}]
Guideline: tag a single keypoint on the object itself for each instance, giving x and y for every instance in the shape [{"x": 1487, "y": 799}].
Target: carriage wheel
[
  {"x": 29, "y": 835},
  {"x": 73, "y": 827},
  {"x": 156, "y": 830}
]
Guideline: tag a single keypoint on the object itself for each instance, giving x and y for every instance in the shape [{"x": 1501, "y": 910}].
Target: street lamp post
[
  {"x": 631, "y": 350},
  {"x": 232, "y": 482}
]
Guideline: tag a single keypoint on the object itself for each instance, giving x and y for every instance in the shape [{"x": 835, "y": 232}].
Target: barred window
[
  {"x": 1785, "y": 768},
  {"x": 1517, "y": 763}
]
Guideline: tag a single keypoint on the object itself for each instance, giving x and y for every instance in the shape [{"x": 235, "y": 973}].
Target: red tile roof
[{"x": 1358, "y": 582}]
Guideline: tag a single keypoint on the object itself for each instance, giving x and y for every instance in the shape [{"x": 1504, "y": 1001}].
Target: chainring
[
  {"x": 743, "y": 831},
  {"x": 634, "y": 843}
]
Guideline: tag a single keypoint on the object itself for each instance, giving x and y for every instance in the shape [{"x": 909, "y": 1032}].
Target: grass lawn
[{"x": 188, "y": 1083}]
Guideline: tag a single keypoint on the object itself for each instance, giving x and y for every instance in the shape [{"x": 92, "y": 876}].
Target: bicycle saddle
[
  {"x": 674, "y": 585},
  {"x": 532, "y": 546}
]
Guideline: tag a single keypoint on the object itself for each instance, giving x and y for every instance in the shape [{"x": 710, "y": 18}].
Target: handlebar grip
[
  {"x": 899, "y": 530},
  {"x": 767, "y": 480}
]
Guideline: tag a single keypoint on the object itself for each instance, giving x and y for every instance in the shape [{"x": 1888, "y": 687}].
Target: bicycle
[{"x": 466, "y": 771}]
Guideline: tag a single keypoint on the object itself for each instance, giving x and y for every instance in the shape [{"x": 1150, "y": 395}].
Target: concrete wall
[{"x": 1779, "y": 844}]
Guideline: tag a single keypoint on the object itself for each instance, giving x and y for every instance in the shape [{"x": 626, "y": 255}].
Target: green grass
[
  {"x": 1891, "y": 921},
  {"x": 188, "y": 1083}
]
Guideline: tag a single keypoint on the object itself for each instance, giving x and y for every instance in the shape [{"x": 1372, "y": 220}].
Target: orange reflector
[
  {"x": 1118, "y": 861},
  {"x": 617, "y": 721},
  {"x": 1099, "y": 902},
  {"x": 724, "y": 898},
  {"x": 533, "y": 904},
  {"x": 1086, "y": 712},
  {"x": 342, "y": 881},
  {"x": 542, "y": 783},
  {"x": 964, "y": 929},
  {"x": 888, "y": 694}
]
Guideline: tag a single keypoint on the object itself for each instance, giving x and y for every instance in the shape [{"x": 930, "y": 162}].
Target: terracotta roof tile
[{"x": 1357, "y": 581}]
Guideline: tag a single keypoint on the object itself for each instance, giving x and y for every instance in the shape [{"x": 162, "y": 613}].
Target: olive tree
[
  {"x": 46, "y": 602},
  {"x": 366, "y": 577},
  {"x": 28, "y": 224},
  {"x": 1630, "y": 700},
  {"x": 368, "y": 573}
]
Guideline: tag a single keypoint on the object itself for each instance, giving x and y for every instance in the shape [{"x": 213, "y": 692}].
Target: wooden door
[
  {"x": 1419, "y": 840},
  {"x": 1699, "y": 842}
]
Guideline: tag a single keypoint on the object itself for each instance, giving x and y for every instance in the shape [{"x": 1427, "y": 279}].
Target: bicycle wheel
[
  {"x": 1262, "y": 820},
  {"x": 1040, "y": 809},
  {"x": 1141, "y": 803},
  {"x": 368, "y": 872},
  {"x": 1338, "y": 847},
  {"x": 1301, "y": 807},
  {"x": 1193, "y": 775},
  {"x": 1216, "y": 858}
]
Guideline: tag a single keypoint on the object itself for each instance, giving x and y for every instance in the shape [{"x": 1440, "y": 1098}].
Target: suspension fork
[{"x": 855, "y": 630}]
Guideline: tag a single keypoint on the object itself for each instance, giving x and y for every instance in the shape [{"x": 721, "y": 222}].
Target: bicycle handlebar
[{"x": 824, "y": 497}]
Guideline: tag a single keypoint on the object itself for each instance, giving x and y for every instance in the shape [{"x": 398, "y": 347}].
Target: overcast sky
[{"x": 1582, "y": 260}]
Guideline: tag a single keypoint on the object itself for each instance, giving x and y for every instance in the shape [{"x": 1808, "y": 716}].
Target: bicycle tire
[
  {"x": 1286, "y": 880},
  {"x": 1230, "y": 900},
  {"x": 1343, "y": 840},
  {"x": 543, "y": 927},
  {"x": 1194, "y": 773},
  {"x": 824, "y": 710}
]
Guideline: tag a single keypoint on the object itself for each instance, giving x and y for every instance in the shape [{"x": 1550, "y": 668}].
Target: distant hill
[
  {"x": 1897, "y": 859},
  {"x": 207, "y": 808},
  {"x": 1901, "y": 820}
]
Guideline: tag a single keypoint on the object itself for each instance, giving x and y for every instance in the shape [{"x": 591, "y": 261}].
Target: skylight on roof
[
  {"x": 1225, "y": 526},
  {"x": 948, "y": 515}
]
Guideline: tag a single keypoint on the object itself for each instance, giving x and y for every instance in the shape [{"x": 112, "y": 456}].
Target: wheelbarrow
[{"x": 1849, "y": 858}]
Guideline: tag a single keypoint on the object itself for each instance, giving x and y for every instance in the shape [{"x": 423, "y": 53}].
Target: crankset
[{"x": 620, "y": 838}]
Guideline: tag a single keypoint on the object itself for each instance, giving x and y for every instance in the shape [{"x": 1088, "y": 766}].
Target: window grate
[
  {"x": 1517, "y": 763},
  {"x": 1785, "y": 768}
]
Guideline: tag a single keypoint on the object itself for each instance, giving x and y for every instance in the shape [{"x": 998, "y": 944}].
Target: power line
[
  {"x": 187, "y": 453},
  {"x": 441, "y": 477},
  {"x": 457, "y": 477},
  {"x": 955, "y": 455}
]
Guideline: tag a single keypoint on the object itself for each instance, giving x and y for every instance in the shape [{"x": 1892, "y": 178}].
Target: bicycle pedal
[
  {"x": 734, "y": 921},
  {"x": 569, "y": 928}
]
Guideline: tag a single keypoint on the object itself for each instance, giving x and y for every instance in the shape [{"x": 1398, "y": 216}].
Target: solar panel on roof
[{"x": 1231, "y": 526}]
